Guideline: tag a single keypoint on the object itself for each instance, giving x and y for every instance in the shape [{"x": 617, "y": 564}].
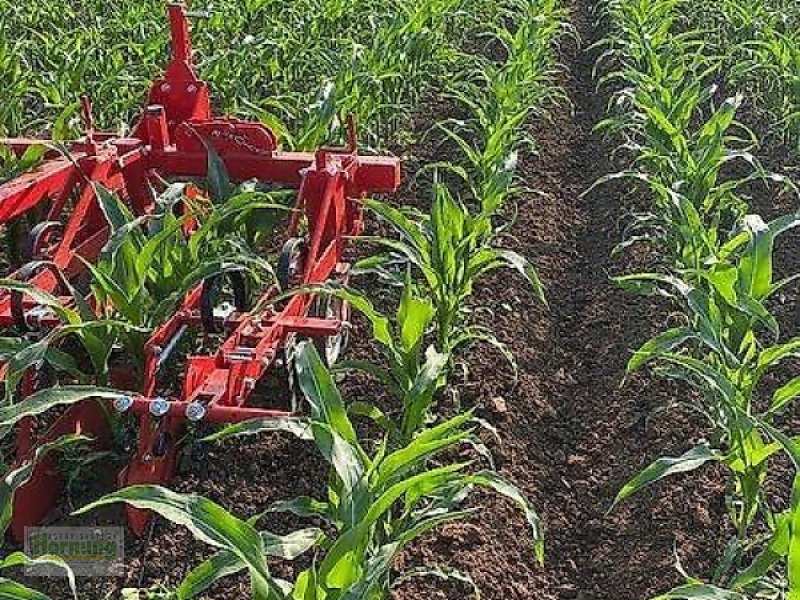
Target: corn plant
[
  {"x": 414, "y": 373},
  {"x": 95, "y": 336},
  {"x": 719, "y": 352},
  {"x": 240, "y": 546},
  {"x": 376, "y": 504},
  {"x": 451, "y": 249},
  {"x": 141, "y": 276}
]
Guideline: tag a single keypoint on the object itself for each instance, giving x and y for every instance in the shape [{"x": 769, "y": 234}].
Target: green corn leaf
[
  {"x": 208, "y": 522},
  {"x": 11, "y": 590},
  {"x": 418, "y": 399},
  {"x": 775, "y": 550},
  {"x": 494, "y": 481},
  {"x": 700, "y": 591},
  {"x": 664, "y": 467},
  {"x": 297, "y": 426},
  {"x": 475, "y": 334},
  {"x": 713, "y": 378},
  {"x": 784, "y": 395},
  {"x": 657, "y": 345},
  {"x": 427, "y": 443},
  {"x": 405, "y": 226},
  {"x": 371, "y": 412},
  {"x": 41, "y": 297},
  {"x": 414, "y": 316},
  {"x": 48, "y": 398},
  {"x": 443, "y": 573},
  {"x": 326, "y": 402},
  {"x": 115, "y": 211},
  {"x": 773, "y": 355},
  {"x": 756, "y": 264},
  {"x": 337, "y": 563},
  {"x": 378, "y": 372},
  {"x": 521, "y": 264},
  {"x": 225, "y": 562},
  {"x": 302, "y": 506}
]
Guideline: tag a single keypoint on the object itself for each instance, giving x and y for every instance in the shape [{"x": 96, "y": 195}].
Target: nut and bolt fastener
[
  {"x": 123, "y": 403},
  {"x": 195, "y": 411},
  {"x": 159, "y": 407}
]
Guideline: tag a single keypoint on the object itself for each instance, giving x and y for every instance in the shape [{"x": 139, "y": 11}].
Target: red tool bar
[
  {"x": 23, "y": 193},
  {"x": 215, "y": 413},
  {"x": 374, "y": 174}
]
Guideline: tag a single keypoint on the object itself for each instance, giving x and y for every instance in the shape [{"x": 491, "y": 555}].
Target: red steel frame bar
[{"x": 170, "y": 140}]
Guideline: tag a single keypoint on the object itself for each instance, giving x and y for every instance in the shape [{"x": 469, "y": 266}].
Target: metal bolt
[
  {"x": 165, "y": 87},
  {"x": 159, "y": 407},
  {"x": 195, "y": 411},
  {"x": 192, "y": 88},
  {"x": 123, "y": 403}
]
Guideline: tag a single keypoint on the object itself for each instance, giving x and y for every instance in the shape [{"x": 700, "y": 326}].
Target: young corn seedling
[
  {"x": 95, "y": 337},
  {"x": 719, "y": 352},
  {"x": 240, "y": 545},
  {"x": 414, "y": 372},
  {"x": 451, "y": 249}
]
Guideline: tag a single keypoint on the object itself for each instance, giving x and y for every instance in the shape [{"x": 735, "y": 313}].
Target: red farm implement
[{"x": 170, "y": 142}]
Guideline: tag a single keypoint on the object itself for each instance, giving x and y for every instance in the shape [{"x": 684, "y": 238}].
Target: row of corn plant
[
  {"x": 437, "y": 256},
  {"x": 500, "y": 86},
  {"x": 374, "y": 58},
  {"x": 718, "y": 270},
  {"x": 758, "y": 43}
]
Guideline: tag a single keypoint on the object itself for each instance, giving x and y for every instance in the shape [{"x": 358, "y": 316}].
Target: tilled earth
[{"x": 574, "y": 428}]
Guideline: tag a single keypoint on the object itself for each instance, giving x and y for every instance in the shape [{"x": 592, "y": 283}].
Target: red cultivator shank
[{"x": 170, "y": 142}]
